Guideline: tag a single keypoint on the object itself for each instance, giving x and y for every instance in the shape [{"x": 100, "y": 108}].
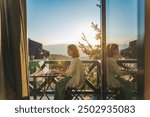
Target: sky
[
  {"x": 122, "y": 21},
  {"x": 63, "y": 21}
]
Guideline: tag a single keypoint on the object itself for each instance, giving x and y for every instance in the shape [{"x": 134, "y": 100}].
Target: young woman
[
  {"x": 113, "y": 72},
  {"x": 75, "y": 76}
]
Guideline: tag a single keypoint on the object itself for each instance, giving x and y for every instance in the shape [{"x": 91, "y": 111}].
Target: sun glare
[{"x": 89, "y": 33}]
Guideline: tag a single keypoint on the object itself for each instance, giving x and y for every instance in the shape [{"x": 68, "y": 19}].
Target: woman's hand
[
  {"x": 55, "y": 71},
  {"x": 62, "y": 73}
]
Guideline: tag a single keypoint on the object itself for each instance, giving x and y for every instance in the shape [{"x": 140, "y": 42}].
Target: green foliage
[
  {"x": 33, "y": 65},
  {"x": 93, "y": 51}
]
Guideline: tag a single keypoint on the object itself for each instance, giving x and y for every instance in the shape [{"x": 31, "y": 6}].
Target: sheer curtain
[{"x": 13, "y": 49}]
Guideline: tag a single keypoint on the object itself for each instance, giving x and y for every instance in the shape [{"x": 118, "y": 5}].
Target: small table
[{"x": 43, "y": 87}]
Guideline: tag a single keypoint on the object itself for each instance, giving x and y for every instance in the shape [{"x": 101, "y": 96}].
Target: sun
[{"x": 89, "y": 33}]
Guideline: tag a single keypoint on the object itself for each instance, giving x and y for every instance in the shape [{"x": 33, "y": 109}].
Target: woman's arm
[{"x": 72, "y": 68}]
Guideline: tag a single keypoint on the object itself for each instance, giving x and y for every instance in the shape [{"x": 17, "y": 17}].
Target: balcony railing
[
  {"x": 93, "y": 77},
  {"x": 93, "y": 81}
]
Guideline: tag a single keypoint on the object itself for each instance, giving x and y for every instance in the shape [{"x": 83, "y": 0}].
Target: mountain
[
  {"x": 123, "y": 46},
  {"x": 61, "y": 49}
]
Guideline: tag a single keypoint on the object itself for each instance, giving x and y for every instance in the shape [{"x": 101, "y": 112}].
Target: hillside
[{"x": 60, "y": 51}]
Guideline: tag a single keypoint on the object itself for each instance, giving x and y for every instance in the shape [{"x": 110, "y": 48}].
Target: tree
[{"x": 93, "y": 51}]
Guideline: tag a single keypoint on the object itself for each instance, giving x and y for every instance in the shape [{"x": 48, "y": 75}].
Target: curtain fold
[
  {"x": 2, "y": 89},
  {"x": 14, "y": 48}
]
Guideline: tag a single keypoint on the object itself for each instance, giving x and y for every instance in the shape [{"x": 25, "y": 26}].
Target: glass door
[{"x": 122, "y": 49}]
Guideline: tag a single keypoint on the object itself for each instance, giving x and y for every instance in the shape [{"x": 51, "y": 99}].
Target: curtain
[
  {"x": 147, "y": 53},
  {"x": 13, "y": 47},
  {"x": 2, "y": 95}
]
